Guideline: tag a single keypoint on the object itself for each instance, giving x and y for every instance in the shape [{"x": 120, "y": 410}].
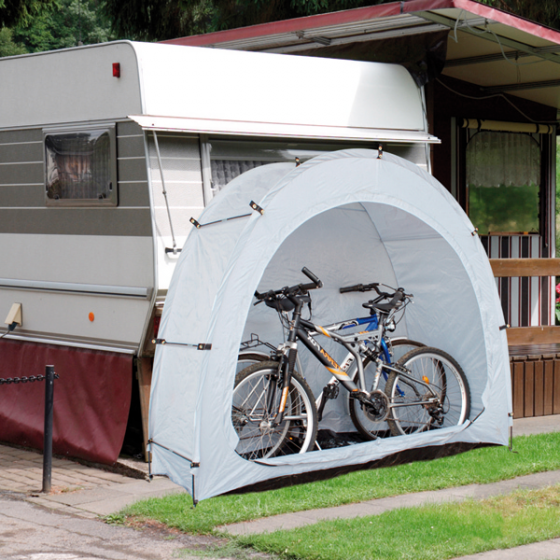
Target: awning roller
[
  {"x": 504, "y": 126},
  {"x": 281, "y": 130}
]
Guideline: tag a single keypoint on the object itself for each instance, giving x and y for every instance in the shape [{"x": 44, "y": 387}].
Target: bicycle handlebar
[
  {"x": 312, "y": 277},
  {"x": 397, "y": 296},
  {"x": 292, "y": 290},
  {"x": 360, "y": 288}
]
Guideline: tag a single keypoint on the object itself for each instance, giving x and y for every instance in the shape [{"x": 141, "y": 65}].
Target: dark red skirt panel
[{"x": 91, "y": 399}]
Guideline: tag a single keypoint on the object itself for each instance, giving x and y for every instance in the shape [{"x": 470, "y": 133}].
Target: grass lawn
[
  {"x": 534, "y": 454},
  {"x": 432, "y": 532}
]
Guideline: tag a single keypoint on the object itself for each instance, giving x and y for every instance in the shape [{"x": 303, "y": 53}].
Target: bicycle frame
[
  {"x": 307, "y": 331},
  {"x": 373, "y": 332},
  {"x": 355, "y": 343}
]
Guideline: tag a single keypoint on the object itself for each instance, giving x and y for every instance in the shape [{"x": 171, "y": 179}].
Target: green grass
[
  {"x": 536, "y": 453},
  {"x": 433, "y": 532}
]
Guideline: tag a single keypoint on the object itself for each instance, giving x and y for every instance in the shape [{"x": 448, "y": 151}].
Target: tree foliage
[
  {"x": 167, "y": 19},
  {"x": 546, "y": 12},
  {"x": 158, "y": 19},
  {"x": 75, "y": 22},
  {"x": 8, "y": 47},
  {"x": 37, "y": 26},
  {"x": 504, "y": 208},
  {"x": 14, "y": 12},
  {"x": 237, "y": 13}
]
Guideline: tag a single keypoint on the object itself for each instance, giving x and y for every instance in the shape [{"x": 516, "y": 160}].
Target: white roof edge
[{"x": 281, "y": 130}]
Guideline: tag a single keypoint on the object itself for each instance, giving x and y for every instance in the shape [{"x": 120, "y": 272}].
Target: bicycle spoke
[{"x": 253, "y": 414}]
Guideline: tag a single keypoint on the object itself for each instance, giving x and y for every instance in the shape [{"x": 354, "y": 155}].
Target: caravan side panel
[{"x": 85, "y": 278}]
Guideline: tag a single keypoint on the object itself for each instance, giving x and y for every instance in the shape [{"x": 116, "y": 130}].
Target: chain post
[{"x": 48, "y": 432}]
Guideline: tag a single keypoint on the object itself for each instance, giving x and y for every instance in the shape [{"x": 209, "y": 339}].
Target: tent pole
[{"x": 195, "y": 501}]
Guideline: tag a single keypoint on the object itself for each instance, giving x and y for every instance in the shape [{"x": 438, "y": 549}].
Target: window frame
[
  {"x": 112, "y": 199},
  {"x": 535, "y": 137}
]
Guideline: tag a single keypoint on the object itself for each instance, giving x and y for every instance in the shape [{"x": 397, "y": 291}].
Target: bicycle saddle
[
  {"x": 285, "y": 304},
  {"x": 383, "y": 307}
]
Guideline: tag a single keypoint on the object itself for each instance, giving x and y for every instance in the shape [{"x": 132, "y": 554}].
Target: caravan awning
[
  {"x": 493, "y": 49},
  {"x": 280, "y": 130}
]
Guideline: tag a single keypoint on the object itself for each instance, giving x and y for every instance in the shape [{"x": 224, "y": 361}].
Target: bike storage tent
[{"x": 353, "y": 216}]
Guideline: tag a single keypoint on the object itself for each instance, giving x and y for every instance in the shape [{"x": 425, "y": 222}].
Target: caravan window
[
  {"x": 503, "y": 181},
  {"x": 230, "y": 158},
  {"x": 80, "y": 167}
]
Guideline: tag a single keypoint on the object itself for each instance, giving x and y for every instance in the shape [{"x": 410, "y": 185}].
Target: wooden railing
[{"x": 505, "y": 268}]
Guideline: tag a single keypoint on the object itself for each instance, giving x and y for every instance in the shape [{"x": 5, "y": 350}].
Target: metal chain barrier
[
  {"x": 49, "y": 378},
  {"x": 30, "y": 379}
]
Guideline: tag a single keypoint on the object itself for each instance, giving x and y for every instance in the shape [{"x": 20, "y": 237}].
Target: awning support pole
[
  {"x": 206, "y": 167},
  {"x": 164, "y": 191}
]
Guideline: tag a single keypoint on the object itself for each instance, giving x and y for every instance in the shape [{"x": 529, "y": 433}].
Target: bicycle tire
[
  {"x": 402, "y": 346},
  {"x": 366, "y": 426},
  {"x": 247, "y": 358},
  {"x": 444, "y": 376},
  {"x": 258, "y": 438}
]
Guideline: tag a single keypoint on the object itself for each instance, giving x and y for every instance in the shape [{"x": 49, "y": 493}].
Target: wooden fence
[{"x": 534, "y": 351}]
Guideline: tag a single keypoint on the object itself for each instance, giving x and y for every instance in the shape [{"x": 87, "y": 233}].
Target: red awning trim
[
  {"x": 291, "y": 25},
  {"x": 368, "y": 13},
  {"x": 509, "y": 19}
]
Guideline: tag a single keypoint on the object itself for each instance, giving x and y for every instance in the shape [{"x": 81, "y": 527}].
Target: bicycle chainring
[{"x": 375, "y": 406}]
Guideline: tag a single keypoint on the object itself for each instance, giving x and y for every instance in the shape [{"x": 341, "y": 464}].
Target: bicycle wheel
[
  {"x": 364, "y": 417},
  {"x": 256, "y": 397},
  {"x": 402, "y": 346},
  {"x": 248, "y": 358},
  {"x": 434, "y": 394}
]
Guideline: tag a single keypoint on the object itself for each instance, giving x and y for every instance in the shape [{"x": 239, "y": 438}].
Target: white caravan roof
[{"x": 169, "y": 87}]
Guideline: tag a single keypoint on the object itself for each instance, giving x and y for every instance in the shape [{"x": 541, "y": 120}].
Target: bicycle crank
[{"x": 375, "y": 405}]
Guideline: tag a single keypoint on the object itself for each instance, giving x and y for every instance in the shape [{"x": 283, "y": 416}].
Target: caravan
[{"x": 106, "y": 153}]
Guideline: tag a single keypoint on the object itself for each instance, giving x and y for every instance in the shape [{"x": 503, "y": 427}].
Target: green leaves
[
  {"x": 7, "y": 45},
  {"x": 157, "y": 20},
  {"x": 546, "y": 12},
  {"x": 75, "y": 22},
  {"x": 14, "y": 12}
]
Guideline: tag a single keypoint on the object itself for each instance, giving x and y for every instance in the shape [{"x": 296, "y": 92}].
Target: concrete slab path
[
  {"x": 376, "y": 507},
  {"x": 76, "y": 488},
  {"x": 87, "y": 492},
  {"x": 28, "y": 532}
]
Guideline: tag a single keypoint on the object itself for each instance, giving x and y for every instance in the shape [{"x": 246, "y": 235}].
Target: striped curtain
[{"x": 526, "y": 302}]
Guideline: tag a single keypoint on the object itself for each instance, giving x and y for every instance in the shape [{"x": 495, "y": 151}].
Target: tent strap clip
[
  {"x": 199, "y": 346},
  {"x": 256, "y": 207},
  {"x": 198, "y": 225},
  {"x": 152, "y": 442}
]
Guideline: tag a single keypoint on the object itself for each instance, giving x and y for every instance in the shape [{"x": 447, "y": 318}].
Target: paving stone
[
  {"x": 376, "y": 507},
  {"x": 546, "y": 550}
]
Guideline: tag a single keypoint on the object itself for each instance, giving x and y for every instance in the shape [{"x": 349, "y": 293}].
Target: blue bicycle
[{"x": 275, "y": 413}]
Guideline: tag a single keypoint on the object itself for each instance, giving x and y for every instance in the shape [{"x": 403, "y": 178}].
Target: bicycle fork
[{"x": 287, "y": 368}]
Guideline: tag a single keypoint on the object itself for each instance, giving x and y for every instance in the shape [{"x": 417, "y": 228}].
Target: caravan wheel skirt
[{"x": 91, "y": 399}]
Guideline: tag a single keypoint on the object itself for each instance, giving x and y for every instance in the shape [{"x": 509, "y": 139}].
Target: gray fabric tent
[{"x": 351, "y": 217}]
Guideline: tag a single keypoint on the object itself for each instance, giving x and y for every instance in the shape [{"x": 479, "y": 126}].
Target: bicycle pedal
[{"x": 331, "y": 391}]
